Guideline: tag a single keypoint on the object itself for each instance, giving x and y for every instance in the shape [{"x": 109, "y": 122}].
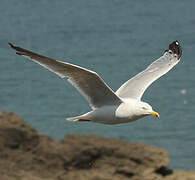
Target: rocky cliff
[{"x": 26, "y": 154}]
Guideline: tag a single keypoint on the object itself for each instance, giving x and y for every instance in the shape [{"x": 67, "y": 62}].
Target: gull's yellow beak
[{"x": 155, "y": 114}]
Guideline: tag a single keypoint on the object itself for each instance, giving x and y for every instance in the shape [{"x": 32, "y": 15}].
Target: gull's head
[{"x": 145, "y": 109}]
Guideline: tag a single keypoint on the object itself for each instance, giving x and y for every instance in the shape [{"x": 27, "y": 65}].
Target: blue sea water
[{"x": 117, "y": 39}]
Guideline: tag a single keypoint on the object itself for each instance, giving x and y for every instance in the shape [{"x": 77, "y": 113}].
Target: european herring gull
[{"x": 109, "y": 107}]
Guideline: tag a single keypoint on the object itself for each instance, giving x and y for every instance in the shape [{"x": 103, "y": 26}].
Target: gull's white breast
[{"x": 123, "y": 113}]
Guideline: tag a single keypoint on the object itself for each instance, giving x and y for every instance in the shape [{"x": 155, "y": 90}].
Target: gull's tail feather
[
  {"x": 78, "y": 118},
  {"x": 72, "y": 119}
]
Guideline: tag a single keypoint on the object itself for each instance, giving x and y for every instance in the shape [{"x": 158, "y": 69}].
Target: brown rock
[{"x": 26, "y": 154}]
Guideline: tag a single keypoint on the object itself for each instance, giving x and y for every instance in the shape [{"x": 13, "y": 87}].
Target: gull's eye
[{"x": 144, "y": 108}]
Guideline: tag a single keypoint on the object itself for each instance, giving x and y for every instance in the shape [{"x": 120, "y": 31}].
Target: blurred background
[{"x": 115, "y": 38}]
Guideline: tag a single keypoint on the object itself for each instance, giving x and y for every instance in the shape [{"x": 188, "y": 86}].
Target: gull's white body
[
  {"x": 114, "y": 114},
  {"x": 107, "y": 106}
]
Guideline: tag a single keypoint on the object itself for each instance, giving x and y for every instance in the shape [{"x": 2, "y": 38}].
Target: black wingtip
[
  {"x": 175, "y": 47},
  {"x": 11, "y": 45},
  {"x": 15, "y": 48}
]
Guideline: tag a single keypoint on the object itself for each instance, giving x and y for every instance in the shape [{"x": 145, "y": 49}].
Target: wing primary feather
[
  {"x": 89, "y": 83},
  {"x": 176, "y": 48},
  {"x": 136, "y": 86}
]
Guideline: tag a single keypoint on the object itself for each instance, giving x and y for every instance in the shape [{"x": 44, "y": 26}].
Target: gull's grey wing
[
  {"x": 136, "y": 86},
  {"x": 89, "y": 83}
]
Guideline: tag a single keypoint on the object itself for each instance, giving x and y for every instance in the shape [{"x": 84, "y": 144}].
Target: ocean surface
[{"x": 115, "y": 38}]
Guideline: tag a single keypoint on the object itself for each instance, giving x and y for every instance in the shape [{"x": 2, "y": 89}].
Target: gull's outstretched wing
[
  {"x": 89, "y": 83},
  {"x": 135, "y": 87}
]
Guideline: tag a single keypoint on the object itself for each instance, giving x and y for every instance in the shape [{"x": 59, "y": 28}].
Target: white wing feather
[
  {"x": 89, "y": 83},
  {"x": 136, "y": 86}
]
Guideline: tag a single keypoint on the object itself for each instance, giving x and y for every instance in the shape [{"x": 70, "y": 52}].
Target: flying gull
[{"x": 109, "y": 107}]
